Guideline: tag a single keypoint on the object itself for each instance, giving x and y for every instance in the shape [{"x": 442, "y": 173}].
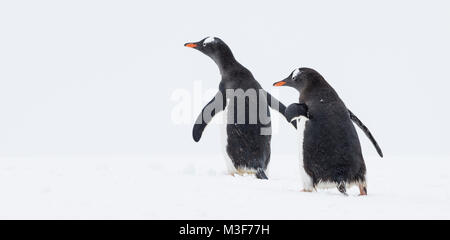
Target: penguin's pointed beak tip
[
  {"x": 279, "y": 84},
  {"x": 190, "y": 45}
]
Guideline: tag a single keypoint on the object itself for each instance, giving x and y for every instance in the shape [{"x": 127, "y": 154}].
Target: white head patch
[
  {"x": 296, "y": 73},
  {"x": 209, "y": 40}
]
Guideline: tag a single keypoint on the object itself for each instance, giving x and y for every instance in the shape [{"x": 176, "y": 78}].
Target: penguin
[
  {"x": 330, "y": 151},
  {"x": 248, "y": 134}
]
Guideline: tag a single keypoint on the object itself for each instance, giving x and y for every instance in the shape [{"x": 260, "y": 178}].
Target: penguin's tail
[{"x": 260, "y": 174}]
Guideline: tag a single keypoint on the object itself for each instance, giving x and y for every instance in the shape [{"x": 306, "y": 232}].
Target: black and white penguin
[
  {"x": 330, "y": 152},
  {"x": 248, "y": 133}
]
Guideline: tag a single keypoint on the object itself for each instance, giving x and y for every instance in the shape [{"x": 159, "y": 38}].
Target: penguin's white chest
[
  {"x": 306, "y": 179},
  {"x": 301, "y": 123}
]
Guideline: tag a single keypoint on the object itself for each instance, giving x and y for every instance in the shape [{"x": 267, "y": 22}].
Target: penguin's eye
[{"x": 204, "y": 44}]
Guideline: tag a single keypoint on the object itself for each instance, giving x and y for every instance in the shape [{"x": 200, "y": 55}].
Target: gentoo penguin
[
  {"x": 330, "y": 151},
  {"x": 248, "y": 128}
]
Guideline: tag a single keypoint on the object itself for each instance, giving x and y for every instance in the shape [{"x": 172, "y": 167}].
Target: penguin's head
[
  {"x": 299, "y": 78},
  {"x": 213, "y": 47}
]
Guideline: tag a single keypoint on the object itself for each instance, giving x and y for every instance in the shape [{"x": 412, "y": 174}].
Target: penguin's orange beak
[
  {"x": 279, "y": 84},
  {"x": 191, "y": 45}
]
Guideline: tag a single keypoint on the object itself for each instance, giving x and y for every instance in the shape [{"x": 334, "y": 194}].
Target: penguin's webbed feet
[
  {"x": 362, "y": 190},
  {"x": 306, "y": 190},
  {"x": 341, "y": 188}
]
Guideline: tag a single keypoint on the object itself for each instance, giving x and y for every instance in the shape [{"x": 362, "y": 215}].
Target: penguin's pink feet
[
  {"x": 305, "y": 190},
  {"x": 362, "y": 190}
]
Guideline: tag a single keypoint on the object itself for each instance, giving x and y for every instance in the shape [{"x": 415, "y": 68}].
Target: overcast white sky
[{"x": 96, "y": 77}]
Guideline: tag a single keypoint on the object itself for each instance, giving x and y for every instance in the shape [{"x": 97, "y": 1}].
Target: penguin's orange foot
[
  {"x": 362, "y": 190},
  {"x": 305, "y": 190}
]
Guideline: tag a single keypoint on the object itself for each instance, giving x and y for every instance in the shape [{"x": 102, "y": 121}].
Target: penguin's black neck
[{"x": 226, "y": 62}]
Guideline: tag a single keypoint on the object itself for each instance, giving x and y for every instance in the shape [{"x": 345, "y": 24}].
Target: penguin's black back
[
  {"x": 331, "y": 147},
  {"x": 246, "y": 146}
]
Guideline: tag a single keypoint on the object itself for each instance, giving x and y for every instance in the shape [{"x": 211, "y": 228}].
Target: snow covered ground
[{"x": 161, "y": 187}]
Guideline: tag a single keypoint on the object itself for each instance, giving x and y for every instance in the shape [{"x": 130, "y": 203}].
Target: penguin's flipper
[
  {"x": 216, "y": 105},
  {"x": 366, "y": 131},
  {"x": 278, "y": 106},
  {"x": 295, "y": 110}
]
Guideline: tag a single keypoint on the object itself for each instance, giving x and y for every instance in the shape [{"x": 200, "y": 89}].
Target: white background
[{"x": 80, "y": 79}]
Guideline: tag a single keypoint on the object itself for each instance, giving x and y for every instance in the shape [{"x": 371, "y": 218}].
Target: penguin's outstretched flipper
[
  {"x": 216, "y": 105},
  {"x": 260, "y": 174},
  {"x": 296, "y": 110},
  {"x": 278, "y": 106},
  {"x": 366, "y": 131}
]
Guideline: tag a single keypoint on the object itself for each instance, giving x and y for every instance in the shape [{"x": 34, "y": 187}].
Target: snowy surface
[{"x": 151, "y": 187}]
